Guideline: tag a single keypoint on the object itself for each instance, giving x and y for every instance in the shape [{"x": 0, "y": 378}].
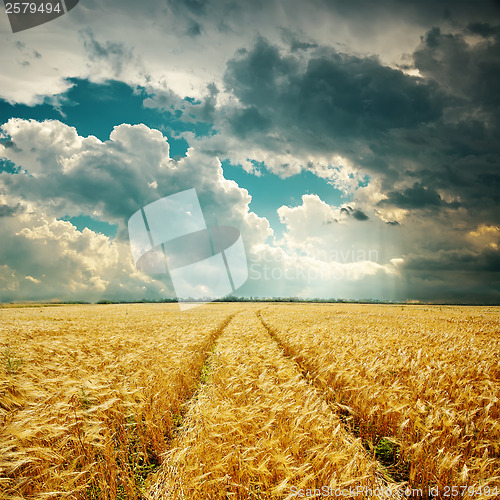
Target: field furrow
[
  {"x": 257, "y": 429},
  {"x": 422, "y": 390},
  {"x": 90, "y": 396},
  {"x": 249, "y": 401}
]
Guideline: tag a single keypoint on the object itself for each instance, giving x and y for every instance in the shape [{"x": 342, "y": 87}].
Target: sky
[{"x": 354, "y": 145}]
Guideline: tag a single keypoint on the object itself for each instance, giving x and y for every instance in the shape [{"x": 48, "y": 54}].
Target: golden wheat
[
  {"x": 97, "y": 396},
  {"x": 259, "y": 430},
  {"x": 294, "y": 398},
  {"x": 426, "y": 378}
]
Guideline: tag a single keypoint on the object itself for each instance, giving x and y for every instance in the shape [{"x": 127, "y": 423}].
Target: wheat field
[
  {"x": 91, "y": 395},
  {"x": 249, "y": 401}
]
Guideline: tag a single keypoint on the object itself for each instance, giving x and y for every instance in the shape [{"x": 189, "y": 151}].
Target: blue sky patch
[
  {"x": 98, "y": 226},
  {"x": 96, "y": 108},
  {"x": 269, "y": 191},
  {"x": 8, "y": 166}
]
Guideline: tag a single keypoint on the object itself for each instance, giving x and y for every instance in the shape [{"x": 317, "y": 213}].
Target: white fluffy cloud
[
  {"x": 316, "y": 226},
  {"x": 326, "y": 251},
  {"x": 65, "y": 174},
  {"x": 44, "y": 258}
]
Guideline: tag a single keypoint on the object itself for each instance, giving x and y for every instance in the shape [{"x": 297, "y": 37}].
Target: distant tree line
[{"x": 232, "y": 298}]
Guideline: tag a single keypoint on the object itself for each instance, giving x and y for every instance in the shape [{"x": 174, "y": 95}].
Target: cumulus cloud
[
  {"x": 316, "y": 228},
  {"x": 66, "y": 174},
  {"x": 44, "y": 258},
  {"x": 413, "y": 197},
  {"x": 112, "y": 179}
]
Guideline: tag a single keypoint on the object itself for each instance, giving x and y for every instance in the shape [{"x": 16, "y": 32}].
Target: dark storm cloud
[
  {"x": 462, "y": 259},
  {"x": 471, "y": 72},
  {"x": 463, "y": 151},
  {"x": 445, "y": 125},
  {"x": 432, "y": 142},
  {"x": 454, "y": 287},
  {"x": 421, "y": 12},
  {"x": 114, "y": 54},
  {"x": 484, "y": 29},
  {"x": 357, "y": 214},
  {"x": 330, "y": 98},
  {"x": 417, "y": 196},
  {"x": 474, "y": 179},
  {"x": 249, "y": 120},
  {"x": 8, "y": 211}
]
